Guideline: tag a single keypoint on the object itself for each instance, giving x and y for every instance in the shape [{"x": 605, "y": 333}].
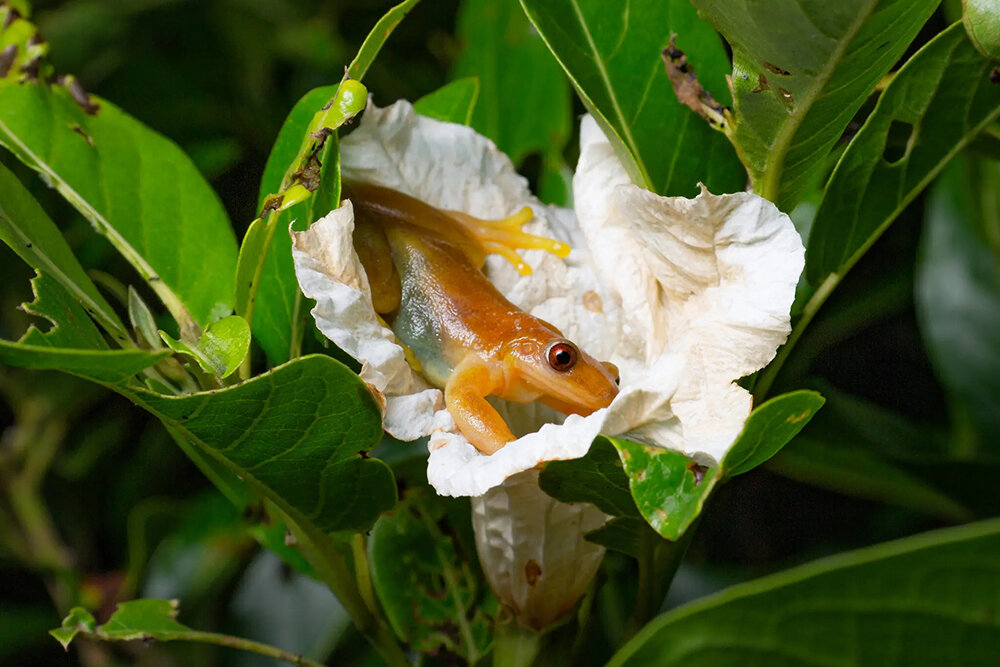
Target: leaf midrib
[
  {"x": 602, "y": 69},
  {"x": 774, "y": 166}
]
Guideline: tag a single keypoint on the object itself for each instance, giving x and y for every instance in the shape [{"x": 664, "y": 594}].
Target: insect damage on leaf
[
  {"x": 689, "y": 90},
  {"x": 25, "y": 59}
]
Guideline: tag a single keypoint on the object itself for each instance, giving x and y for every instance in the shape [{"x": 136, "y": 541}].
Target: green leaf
[
  {"x": 142, "y": 318},
  {"x": 941, "y": 98},
  {"x": 801, "y": 70},
  {"x": 668, "y": 488},
  {"x": 622, "y": 533},
  {"x": 73, "y": 344},
  {"x": 144, "y": 619},
  {"x": 452, "y": 103},
  {"x": 958, "y": 293},
  {"x": 769, "y": 428},
  {"x": 611, "y": 53},
  {"x": 151, "y": 619},
  {"x": 429, "y": 594},
  {"x": 78, "y": 620},
  {"x": 926, "y": 599},
  {"x": 277, "y": 313},
  {"x": 135, "y": 186},
  {"x": 30, "y": 233},
  {"x": 377, "y": 37},
  {"x": 221, "y": 348},
  {"x": 298, "y": 435},
  {"x": 524, "y": 97},
  {"x": 597, "y": 478}
]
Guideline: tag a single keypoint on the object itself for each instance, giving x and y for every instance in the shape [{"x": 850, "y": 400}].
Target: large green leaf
[
  {"x": 940, "y": 99},
  {"x": 958, "y": 293},
  {"x": 451, "y": 103},
  {"x": 801, "y": 69},
  {"x": 278, "y": 309},
  {"x": 430, "y": 595},
  {"x": 30, "y": 233},
  {"x": 611, "y": 52},
  {"x": 135, "y": 186},
  {"x": 524, "y": 98},
  {"x": 924, "y": 600},
  {"x": 299, "y": 435}
]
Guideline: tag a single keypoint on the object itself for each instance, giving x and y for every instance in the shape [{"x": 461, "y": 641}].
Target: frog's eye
[{"x": 562, "y": 356}]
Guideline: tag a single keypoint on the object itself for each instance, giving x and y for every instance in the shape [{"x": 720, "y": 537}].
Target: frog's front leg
[
  {"x": 504, "y": 237},
  {"x": 465, "y": 397}
]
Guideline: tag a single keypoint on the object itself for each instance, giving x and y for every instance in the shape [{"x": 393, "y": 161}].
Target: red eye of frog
[{"x": 562, "y": 356}]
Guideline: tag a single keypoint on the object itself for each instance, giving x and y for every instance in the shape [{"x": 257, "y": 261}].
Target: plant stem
[
  {"x": 658, "y": 563},
  {"x": 515, "y": 645},
  {"x": 819, "y": 297},
  {"x": 332, "y": 567}
]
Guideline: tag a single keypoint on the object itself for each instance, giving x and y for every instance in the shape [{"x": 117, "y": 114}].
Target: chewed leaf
[
  {"x": 669, "y": 488},
  {"x": 221, "y": 348},
  {"x": 78, "y": 620}
]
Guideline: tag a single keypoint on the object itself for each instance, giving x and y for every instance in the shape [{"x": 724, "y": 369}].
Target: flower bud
[{"x": 532, "y": 548}]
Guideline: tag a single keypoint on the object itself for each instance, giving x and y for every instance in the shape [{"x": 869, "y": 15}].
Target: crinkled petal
[{"x": 710, "y": 280}]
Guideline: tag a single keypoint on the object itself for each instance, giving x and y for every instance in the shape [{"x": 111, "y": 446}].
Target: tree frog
[{"x": 423, "y": 266}]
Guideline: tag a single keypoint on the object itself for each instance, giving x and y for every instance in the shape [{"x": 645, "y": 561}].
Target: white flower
[{"x": 685, "y": 296}]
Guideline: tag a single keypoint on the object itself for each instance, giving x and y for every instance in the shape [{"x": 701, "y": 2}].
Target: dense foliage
[{"x": 179, "y": 440}]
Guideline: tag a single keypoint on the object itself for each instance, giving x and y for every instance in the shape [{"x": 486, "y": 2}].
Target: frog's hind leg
[
  {"x": 504, "y": 237},
  {"x": 383, "y": 278}
]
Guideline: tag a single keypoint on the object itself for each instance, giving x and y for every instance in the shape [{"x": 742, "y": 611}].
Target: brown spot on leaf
[
  {"x": 660, "y": 516},
  {"x": 762, "y": 84},
  {"x": 7, "y": 59},
  {"x": 80, "y": 96},
  {"x": 786, "y": 96},
  {"x": 777, "y": 70},
  {"x": 687, "y": 88},
  {"x": 83, "y": 133},
  {"x": 532, "y": 571},
  {"x": 698, "y": 471}
]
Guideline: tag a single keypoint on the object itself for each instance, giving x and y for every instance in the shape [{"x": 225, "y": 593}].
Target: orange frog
[{"x": 461, "y": 333}]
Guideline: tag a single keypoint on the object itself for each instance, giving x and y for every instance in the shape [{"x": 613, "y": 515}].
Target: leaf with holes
[
  {"x": 135, "y": 186},
  {"x": 452, "y": 103},
  {"x": 668, "y": 488},
  {"x": 28, "y": 231},
  {"x": 923, "y": 600},
  {"x": 611, "y": 52},
  {"x": 941, "y": 98},
  {"x": 278, "y": 317},
  {"x": 299, "y": 435},
  {"x": 801, "y": 70},
  {"x": 73, "y": 344},
  {"x": 430, "y": 595}
]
